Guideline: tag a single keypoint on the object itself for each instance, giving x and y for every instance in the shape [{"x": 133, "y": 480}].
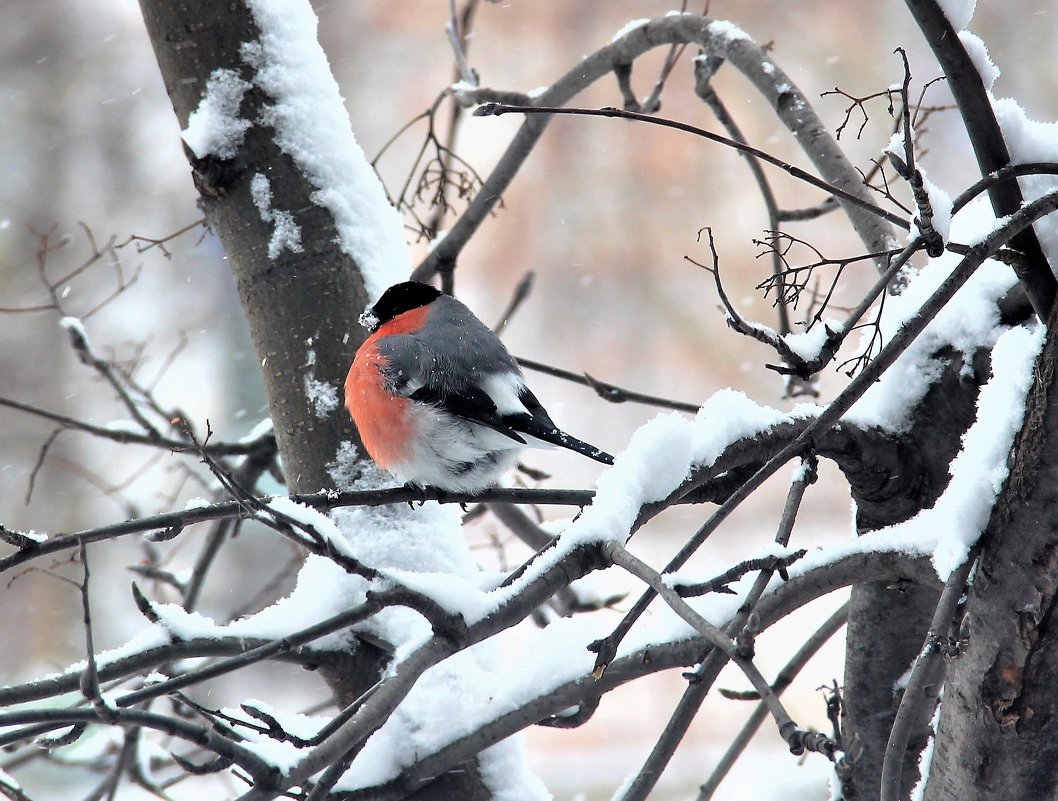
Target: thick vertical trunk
[
  {"x": 887, "y": 624},
  {"x": 998, "y": 733},
  {"x": 296, "y": 302}
]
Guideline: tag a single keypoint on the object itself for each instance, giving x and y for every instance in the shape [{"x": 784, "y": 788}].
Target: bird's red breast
[{"x": 382, "y": 418}]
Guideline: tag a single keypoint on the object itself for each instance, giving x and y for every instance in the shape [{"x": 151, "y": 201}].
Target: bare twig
[
  {"x": 704, "y": 68},
  {"x": 498, "y": 109},
  {"x": 783, "y": 680},
  {"x": 719, "y": 583},
  {"x": 145, "y": 243},
  {"x": 608, "y": 392},
  {"x": 906, "y": 169},
  {"x": 763, "y": 334},
  {"x": 798, "y": 740},
  {"x": 521, "y": 293},
  {"x": 90, "y": 678},
  {"x": 928, "y": 671},
  {"x": 1044, "y": 205},
  {"x": 986, "y": 137}
]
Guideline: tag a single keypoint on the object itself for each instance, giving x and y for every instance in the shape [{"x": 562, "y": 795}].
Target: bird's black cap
[{"x": 398, "y": 299}]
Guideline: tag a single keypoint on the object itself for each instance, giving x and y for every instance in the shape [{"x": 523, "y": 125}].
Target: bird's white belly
[{"x": 454, "y": 454}]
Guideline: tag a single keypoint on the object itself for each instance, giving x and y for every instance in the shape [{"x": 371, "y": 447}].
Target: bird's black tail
[
  {"x": 526, "y": 424},
  {"x": 580, "y": 446}
]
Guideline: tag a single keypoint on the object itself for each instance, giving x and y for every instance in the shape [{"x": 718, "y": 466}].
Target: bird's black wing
[{"x": 471, "y": 403}]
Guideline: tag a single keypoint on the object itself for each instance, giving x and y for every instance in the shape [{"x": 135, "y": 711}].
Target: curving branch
[
  {"x": 717, "y": 39},
  {"x": 829, "y": 417},
  {"x": 843, "y": 195},
  {"x": 653, "y": 658}
]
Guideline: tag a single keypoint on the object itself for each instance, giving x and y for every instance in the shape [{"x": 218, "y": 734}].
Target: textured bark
[
  {"x": 887, "y": 623},
  {"x": 293, "y": 303},
  {"x": 998, "y": 734},
  {"x": 885, "y": 631}
]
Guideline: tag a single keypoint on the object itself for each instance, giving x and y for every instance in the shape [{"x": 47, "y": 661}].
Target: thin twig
[
  {"x": 907, "y": 334},
  {"x": 498, "y": 109},
  {"x": 928, "y": 670},
  {"x": 704, "y": 675},
  {"x": 126, "y": 437},
  {"x": 788, "y": 729},
  {"x": 703, "y": 87},
  {"x": 783, "y": 680},
  {"x": 907, "y": 169},
  {"x": 521, "y": 293},
  {"x": 608, "y": 392}
]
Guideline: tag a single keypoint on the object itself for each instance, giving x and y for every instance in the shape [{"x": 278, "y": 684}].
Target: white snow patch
[
  {"x": 196, "y": 503},
  {"x": 978, "y": 472},
  {"x": 456, "y": 595},
  {"x": 313, "y": 127},
  {"x": 946, "y": 531},
  {"x": 968, "y": 322},
  {"x": 32, "y": 535},
  {"x": 323, "y": 589},
  {"x": 958, "y": 12},
  {"x": 153, "y": 636},
  {"x": 726, "y": 33},
  {"x": 323, "y": 397},
  {"x": 307, "y": 516},
  {"x": 628, "y": 27},
  {"x": 286, "y": 234},
  {"x": 507, "y": 777},
  {"x": 124, "y": 427},
  {"x": 282, "y": 755},
  {"x": 214, "y": 127},
  {"x": 464, "y": 93},
  {"x": 896, "y": 140},
  {"x": 925, "y": 760},
  {"x": 808, "y": 344},
  {"x": 346, "y": 467},
  {"x": 75, "y": 327},
  {"x": 978, "y": 53},
  {"x": 1031, "y": 140},
  {"x": 940, "y": 201}
]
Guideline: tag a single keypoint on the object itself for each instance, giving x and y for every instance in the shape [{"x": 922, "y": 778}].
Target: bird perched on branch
[{"x": 437, "y": 398}]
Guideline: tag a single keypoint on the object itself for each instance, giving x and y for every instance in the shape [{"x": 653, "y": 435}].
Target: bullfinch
[{"x": 438, "y": 399}]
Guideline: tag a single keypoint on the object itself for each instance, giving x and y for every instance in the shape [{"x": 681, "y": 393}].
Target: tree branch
[
  {"x": 988, "y": 143},
  {"x": 780, "y": 93}
]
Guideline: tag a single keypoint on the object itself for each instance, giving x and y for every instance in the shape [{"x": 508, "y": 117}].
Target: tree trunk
[
  {"x": 296, "y": 302},
  {"x": 998, "y": 733},
  {"x": 887, "y": 624}
]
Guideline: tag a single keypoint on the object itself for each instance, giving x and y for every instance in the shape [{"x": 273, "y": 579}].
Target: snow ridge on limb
[{"x": 313, "y": 127}]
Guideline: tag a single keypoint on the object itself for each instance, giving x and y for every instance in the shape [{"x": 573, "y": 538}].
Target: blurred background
[{"x": 603, "y": 212}]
